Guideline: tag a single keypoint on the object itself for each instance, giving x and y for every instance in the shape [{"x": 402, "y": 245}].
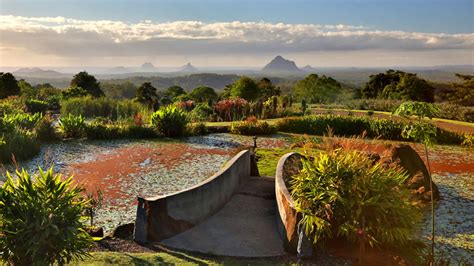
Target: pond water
[{"x": 125, "y": 169}]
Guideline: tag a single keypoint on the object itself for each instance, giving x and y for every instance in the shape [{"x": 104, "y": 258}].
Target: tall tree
[
  {"x": 8, "y": 85},
  {"x": 88, "y": 83},
  {"x": 245, "y": 88},
  {"x": 173, "y": 92},
  {"x": 203, "y": 94},
  {"x": 266, "y": 89},
  {"x": 146, "y": 94},
  {"x": 316, "y": 89}
]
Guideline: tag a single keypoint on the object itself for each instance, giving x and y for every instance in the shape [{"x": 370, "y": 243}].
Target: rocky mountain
[
  {"x": 188, "y": 68},
  {"x": 281, "y": 65}
]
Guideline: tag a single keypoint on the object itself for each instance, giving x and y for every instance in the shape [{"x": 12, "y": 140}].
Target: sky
[{"x": 223, "y": 33}]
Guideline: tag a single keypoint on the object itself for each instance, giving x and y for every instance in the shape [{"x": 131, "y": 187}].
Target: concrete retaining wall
[
  {"x": 165, "y": 216},
  {"x": 288, "y": 165}
]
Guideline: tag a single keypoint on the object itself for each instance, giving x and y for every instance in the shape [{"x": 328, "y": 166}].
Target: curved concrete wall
[
  {"x": 288, "y": 165},
  {"x": 162, "y": 217}
]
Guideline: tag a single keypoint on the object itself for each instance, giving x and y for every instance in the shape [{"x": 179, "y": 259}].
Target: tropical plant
[
  {"x": 23, "y": 120},
  {"x": 41, "y": 219},
  {"x": 200, "y": 113},
  {"x": 45, "y": 130},
  {"x": 72, "y": 126},
  {"x": 74, "y": 92},
  {"x": 170, "y": 121},
  {"x": 345, "y": 193},
  {"x": 36, "y": 106},
  {"x": 425, "y": 133}
]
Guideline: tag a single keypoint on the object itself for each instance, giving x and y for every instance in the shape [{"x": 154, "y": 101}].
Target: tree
[
  {"x": 146, "y": 93},
  {"x": 203, "y": 94},
  {"x": 74, "y": 92},
  {"x": 425, "y": 133},
  {"x": 398, "y": 85},
  {"x": 88, "y": 83},
  {"x": 174, "y": 91},
  {"x": 317, "y": 89},
  {"x": 266, "y": 89},
  {"x": 8, "y": 85},
  {"x": 245, "y": 88},
  {"x": 26, "y": 90},
  {"x": 459, "y": 93}
]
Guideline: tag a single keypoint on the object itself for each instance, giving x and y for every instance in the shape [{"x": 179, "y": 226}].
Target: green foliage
[
  {"x": 72, "y": 126},
  {"x": 355, "y": 125},
  {"x": 23, "y": 120},
  {"x": 398, "y": 85},
  {"x": 41, "y": 220},
  {"x": 459, "y": 93},
  {"x": 146, "y": 94},
  {"x": 420, "y": 131},
  {"x": 252, "y": 128},
  {"x": 170, "y": 121},
  {"x": 45, "y": 130},
  {"x": 197, "y": 129},
  {"x": 100, "y": 130},
  {"x": 74, "y": 92},
  {"x": 468, "y": 140},
  {"x": 317, "y": 89},
  {"x": 266, "y": 89},
  {"x": 8, "y": 85},
  {"x": 10, "y": 106},
  {"x": 88, "y": 83},
  {"x": 346, "y": 193},
  {"x": 36, "y": 106},
  {"x": 200, "y": 113},
  {"x": 245, "y": 88},
  {"x": 19, "y": 143},
  {"x": 103, "y": 107},
  {"x": 203, "y": 94},
  {"x": 123, "y": 90}
]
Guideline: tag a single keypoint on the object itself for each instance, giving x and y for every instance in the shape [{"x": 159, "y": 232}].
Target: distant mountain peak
[
  {"x": 308, "y": 68},
  {"x": 147, "y": 66},
  {"x": 188, "y": 68},
  {"x": 280, "y": 64}
]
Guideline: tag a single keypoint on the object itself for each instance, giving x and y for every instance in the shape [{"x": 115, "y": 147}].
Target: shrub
[
  {"x": 252, "y": 128},
  {"x": 36, "y": 106},
  {"x": 140, "y": 132},
  {"x": 170, "y": 121},
  {"x": 197, "y": 129},
  {"x": 231, "y": 109},
  {"x": 352, "y": 125},
  {"x": 72, "y": 126},
  {"x": 468, "y": 140},
  {"x": 347, "y": 194},
  {"x": 41, "y": 220},
  {"x": 23, "y": 120},
  {"x": 20, "y": 143},
  {"x": 104, "y": 107},
  {"x": 200, "y": 113},
  {"x": 45, "y": 130}
]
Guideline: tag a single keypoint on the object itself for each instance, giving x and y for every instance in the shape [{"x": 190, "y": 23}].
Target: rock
[
  {"x": 419, "y": 178},
  {"x": 95, "y": 231},
  {"x": 124, "y": 231}
]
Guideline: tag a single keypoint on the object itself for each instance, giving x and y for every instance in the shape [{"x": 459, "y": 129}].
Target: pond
[{"x": 125, "y": 169}]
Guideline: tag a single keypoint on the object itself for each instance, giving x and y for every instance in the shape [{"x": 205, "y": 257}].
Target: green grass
[
  {"x": 167, "y": 258},
  {"x": 268, "y": 159}
]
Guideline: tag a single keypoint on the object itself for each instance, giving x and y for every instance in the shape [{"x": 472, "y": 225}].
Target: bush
[
  {"x": 36, "y": 106},
  {"x": 45, "y": 130},
  {"x": 170, "y": 121},
  {"x": 200, "y": 113},
  {"x": 197, "y": 129},
  {"x": 20, "y": 143},
  {"x": 468, "y": 141},
  {"x": 41, "y": 220},
  {"x": 344, "y": 193},
  {"x": 351, "y": 126},
  {"x": 72, "y": 126},
  {"x": 252, "y": 128},
  {"x": 104, "y": 107},
  {"x": 23, "y": 120}
]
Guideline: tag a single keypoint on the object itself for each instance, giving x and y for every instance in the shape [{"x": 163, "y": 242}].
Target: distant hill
[
  {"x": 309, "y": 68},
  {"x": 148, "y": 67},
  {"x": 281, "y": 65},
  {"x": 188, "y": 68},
  {"x": 118, "y": 70},
  {"x": 36, "y": 72}
]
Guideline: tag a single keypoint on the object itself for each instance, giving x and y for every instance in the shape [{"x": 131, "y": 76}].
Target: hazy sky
[{"x": 236, "y": 33}]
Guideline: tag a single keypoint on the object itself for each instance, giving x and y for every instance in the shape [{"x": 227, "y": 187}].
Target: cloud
[{"x": 72, "y": 38}]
